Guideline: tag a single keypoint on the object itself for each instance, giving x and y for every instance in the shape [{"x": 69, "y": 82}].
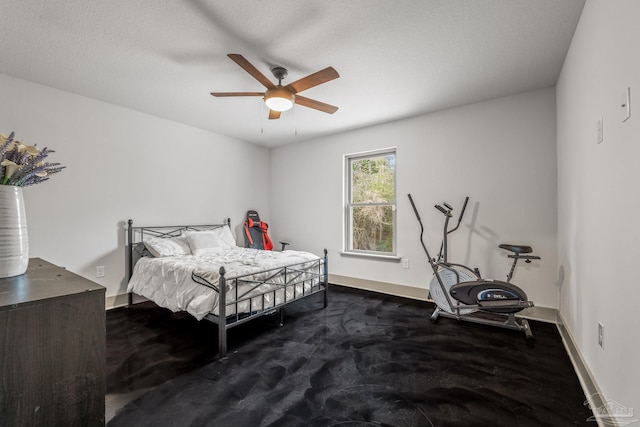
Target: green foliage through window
[{"x": 371, "y": 203}]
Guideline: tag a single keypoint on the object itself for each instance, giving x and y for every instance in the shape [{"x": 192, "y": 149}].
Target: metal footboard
[{"x": 311, "y": 277}]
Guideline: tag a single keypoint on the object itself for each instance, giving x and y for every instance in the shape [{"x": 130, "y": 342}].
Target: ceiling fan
[{"x": 281, "y": 98}]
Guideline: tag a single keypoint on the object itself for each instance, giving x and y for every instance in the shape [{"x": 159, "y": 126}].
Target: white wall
[
  {"x": 123, "y": 164},
  {"x": 598, "y": 196},
  {"x": 501, "y": 153}
]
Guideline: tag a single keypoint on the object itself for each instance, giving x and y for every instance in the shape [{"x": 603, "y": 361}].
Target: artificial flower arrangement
[{"x": 23, "y": 165}]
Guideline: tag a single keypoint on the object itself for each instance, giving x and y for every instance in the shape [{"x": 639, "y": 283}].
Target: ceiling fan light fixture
[{"x": 279, "y": 99}]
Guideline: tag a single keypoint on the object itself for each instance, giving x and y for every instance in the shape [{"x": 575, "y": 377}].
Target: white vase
[{"x": 14, "y": 242}]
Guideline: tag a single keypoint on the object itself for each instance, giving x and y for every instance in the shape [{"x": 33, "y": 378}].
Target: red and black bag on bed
[{"x": 256, "y": 234}]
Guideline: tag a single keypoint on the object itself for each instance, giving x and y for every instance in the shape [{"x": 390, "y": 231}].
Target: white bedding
[{"x": 168, "y": 280}]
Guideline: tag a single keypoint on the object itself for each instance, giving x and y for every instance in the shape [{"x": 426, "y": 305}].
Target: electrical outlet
[
  {"x": 405, "y": 262},
  {"x": 100, "y": 271},
  {"x": 600, "y": 334}
]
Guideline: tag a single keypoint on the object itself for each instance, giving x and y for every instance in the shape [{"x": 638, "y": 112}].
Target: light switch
[
  {"x": 626, "y": 105},
  {"x": 600, "y": 134}
]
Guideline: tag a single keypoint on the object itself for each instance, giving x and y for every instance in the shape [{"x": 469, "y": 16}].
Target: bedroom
[{"x": 576, "y": 203}]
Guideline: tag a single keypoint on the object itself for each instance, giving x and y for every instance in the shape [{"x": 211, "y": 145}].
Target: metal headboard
[{"x": 136, "y": 235}]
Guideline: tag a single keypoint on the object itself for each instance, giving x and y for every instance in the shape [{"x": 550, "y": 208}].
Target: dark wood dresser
[{"x": 52, "y": 348}]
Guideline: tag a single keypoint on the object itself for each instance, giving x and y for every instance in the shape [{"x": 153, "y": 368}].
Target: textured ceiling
[{"x": 396, "y": 59}]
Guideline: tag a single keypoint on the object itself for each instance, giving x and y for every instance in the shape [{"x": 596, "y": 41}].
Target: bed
[{"x": 193, "y": 268}]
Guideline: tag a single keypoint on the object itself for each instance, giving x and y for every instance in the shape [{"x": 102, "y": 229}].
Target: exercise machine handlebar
[
  {"x": 415, "y": 210},
  {"x": 443, "y": 210},
  {"x": 464, "y": 208},
  {"x": 447, "y": 212}
]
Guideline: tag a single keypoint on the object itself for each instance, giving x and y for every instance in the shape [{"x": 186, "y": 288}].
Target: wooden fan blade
[
  {"x": 237, "y": 93},
  {"x": 274, "y": 114},
  {"x": 246, "y": 65},
  {"x": 312, "y": 80},
  {"x": 317, "y": 105}
]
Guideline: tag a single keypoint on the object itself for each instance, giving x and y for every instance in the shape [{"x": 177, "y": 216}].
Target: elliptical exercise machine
[{"x": 459, "y": 291}]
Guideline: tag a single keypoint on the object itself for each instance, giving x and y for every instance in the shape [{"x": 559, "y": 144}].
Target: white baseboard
[
  {"x": 115, "y": 301},
  {"x": 592, "y": 391},
  {"x": 121, "y": 300},
  {"x": 380, "y": 287}
]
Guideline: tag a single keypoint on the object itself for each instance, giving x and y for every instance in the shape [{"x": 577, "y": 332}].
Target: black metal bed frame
[{"x": 313, "y": 273}]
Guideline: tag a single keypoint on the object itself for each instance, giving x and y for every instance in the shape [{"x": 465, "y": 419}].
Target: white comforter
[{"x": 168, "y": 282}]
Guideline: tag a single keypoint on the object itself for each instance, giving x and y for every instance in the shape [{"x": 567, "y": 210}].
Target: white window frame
[{"x": 348, "y": 205}]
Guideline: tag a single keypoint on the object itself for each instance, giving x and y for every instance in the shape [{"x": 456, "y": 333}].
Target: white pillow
[
  {"x": 216, "y": 240},
  {"x": 172, "y": 246}
]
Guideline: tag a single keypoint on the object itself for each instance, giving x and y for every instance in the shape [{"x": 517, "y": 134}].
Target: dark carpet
[{"x": 366, "y": 360}]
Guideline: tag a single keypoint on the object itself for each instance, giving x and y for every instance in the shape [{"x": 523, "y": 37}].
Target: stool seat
[{"x": 516, "y": 249}]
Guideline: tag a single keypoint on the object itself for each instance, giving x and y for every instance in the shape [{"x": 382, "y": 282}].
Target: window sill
[{"x": 390, "y": 258}]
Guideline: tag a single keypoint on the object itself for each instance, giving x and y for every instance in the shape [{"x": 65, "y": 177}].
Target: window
[{"x": 370, "y": 213}]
